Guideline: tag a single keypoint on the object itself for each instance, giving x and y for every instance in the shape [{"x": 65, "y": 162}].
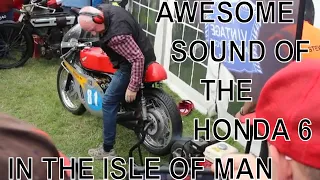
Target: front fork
[
  {"x": 67, "y": 86},
  {"x": 69, "y": 78}
]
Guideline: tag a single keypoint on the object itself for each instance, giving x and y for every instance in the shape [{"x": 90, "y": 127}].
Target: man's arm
[{"x": 125, "y": 46}]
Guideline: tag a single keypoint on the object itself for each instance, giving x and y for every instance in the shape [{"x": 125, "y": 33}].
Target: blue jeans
[
  {"x": 115, "y": 93},
  {"x": 6, "y": 15}
]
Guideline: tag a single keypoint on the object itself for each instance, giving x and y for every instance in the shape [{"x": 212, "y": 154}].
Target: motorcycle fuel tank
[{"x": 96, "y": 59}]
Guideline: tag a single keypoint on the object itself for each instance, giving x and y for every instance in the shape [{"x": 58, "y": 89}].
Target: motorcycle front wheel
[
  {"x": 166, "y": 122},
  {"x": 16, "y": 45},
  {"x": 70, "y": 98}
]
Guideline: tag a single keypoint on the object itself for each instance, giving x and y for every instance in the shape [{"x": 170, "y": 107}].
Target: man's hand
[
  {"x": 237, "y": 159},
  {"x": 238, "y": 115},
  {"x": 130, "y": 95}
]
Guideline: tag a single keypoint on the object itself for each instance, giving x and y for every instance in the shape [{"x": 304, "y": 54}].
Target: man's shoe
[{"x": 99, "y": 153}]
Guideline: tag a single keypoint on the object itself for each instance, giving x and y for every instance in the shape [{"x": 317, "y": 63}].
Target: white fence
[{"x": 184, "y": 78}]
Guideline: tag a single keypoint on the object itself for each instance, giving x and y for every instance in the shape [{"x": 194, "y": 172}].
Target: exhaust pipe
[
  {"x": 127, "y": 116},
  {"x": 69, "y": 78},
  {"x": 132, "y": 125},
  {"x": 128, "y": 120}
]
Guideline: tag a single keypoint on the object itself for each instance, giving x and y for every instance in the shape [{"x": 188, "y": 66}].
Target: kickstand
[{"x": 137, "y": 145}]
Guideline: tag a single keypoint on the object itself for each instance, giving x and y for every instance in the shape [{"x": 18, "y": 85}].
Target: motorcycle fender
[
  {"x": 92, "y": 92},
  {"x": 8, "y": 22}
]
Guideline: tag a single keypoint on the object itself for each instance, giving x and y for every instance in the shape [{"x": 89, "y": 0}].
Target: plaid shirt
[{"x": 125, "y": 46}]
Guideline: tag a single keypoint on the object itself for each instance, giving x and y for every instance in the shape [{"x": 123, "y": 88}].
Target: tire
[
  {"x": 181, "y": 148},
  {"x": 29, "y": 43},
  {"x": 174, "y": 116},
  {"x": 76, "y": 111}
]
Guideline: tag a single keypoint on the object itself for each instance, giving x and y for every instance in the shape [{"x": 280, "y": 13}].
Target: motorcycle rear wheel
[
  {"x": 10, "y": 35},
  {"x": 76, "y": 109},
  {"x": 158, "y": 115}
]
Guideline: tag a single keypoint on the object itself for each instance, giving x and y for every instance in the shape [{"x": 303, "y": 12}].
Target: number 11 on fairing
[{"x": 95, "y": 97}]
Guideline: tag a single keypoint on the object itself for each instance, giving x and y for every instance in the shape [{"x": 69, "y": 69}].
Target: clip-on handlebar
[{"x": 76, "y": 47}]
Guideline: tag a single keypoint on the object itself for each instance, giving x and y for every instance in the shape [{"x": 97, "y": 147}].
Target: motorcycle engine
[
  {"x": 103, "y": 81},
  {"x": 55, "y": 39},
  {"x": 51, "y": 48}
]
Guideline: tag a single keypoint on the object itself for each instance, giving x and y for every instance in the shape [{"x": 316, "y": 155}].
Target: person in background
[
  {"x": 6, "y": 11},
  {"x": 20, "y": 139},
  {"x": 292, "y": 94},
  {"x": 309, "y": 32}
]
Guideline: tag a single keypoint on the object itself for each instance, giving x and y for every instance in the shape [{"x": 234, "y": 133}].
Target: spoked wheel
[
  {"x": 16, "y": 46},
  {"x": 166, "y": 122},
  {"x": 70, "y": 98}
]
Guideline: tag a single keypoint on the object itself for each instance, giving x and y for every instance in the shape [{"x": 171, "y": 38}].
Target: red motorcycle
[{"x": 84, "y": 76}]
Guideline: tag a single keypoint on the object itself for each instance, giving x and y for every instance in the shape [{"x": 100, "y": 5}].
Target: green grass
[{"x": 29, "y": 93}]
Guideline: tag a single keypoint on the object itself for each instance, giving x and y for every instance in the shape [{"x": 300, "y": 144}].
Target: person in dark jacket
[
  {"x": 6, "y": 11},
  {"x": 130, "y": 51}
]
